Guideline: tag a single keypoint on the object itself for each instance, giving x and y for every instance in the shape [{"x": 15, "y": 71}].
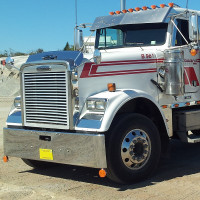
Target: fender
[{"x": 115, "y": 100}]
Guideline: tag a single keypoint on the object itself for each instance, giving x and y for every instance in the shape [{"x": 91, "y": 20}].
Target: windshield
[{"x": 132, "y": 35}]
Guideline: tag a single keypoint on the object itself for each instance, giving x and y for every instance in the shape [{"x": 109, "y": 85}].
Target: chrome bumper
[{"x": 80, "y": 149}]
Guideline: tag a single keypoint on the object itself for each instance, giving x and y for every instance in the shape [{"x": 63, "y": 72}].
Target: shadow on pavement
[{"x": 183, "y": 160}]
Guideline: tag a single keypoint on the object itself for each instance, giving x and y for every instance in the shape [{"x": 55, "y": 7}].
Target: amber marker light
[
  {"x": 111, "y": 13},
  {"x": 5, "y": 159},
  {"x": 111, "y": 87},
  {"x": 130, "y": 10},
  {"x": 164, "y": 106},
  {"x": 176, "y": 105},
  {"x": 137, "y": 9},
  {"x": 162, "y": 5},
  {"x": 187, "y": 104},
  {"x": 102, "y": 173},
  {"x": 193, "y": 52},
  {"x": 197, "y": 102},
  {"x": 144, "y": 8},
  {"x": 153, "y": 6},
  {"x": 118, "y": 12},
  {"x": 171, "y": 5},
  {"x": 124, "y": 11}
]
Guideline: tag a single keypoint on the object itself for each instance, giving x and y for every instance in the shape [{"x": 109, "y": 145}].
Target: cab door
[{"x": 191, "y": 63}]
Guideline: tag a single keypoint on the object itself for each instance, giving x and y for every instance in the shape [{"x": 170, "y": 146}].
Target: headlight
[
  {"x": 96, "y": 104},
  {"x": 17, "y": 102}
]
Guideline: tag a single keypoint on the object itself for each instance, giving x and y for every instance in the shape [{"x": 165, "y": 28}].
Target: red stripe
[{"x": 90, "y": 69}]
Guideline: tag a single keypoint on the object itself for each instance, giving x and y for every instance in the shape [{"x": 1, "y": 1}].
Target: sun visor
[{"x": 158, "y": 15}]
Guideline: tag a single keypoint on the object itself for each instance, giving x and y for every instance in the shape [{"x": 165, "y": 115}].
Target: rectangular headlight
[
  {"x": 96, "y": 104},
  {"x": 90, "y": 104},
  {"x": 17, "y": 102}
]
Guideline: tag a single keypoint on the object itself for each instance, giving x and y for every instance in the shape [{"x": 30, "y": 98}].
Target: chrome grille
[{"x": 46, "y": 97}]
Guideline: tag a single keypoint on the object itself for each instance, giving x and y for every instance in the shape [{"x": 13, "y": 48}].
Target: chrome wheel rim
[{"x": 135, "y": 149}]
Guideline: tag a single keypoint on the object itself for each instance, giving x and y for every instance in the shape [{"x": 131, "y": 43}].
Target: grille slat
[{"x": 46, "y": 98}]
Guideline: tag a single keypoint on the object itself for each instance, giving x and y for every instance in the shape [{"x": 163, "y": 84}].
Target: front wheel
[{"x": 133, "y": 149}]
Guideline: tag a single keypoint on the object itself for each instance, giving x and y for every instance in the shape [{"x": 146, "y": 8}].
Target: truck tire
[
  {"x": 133, "y": 149},
  {"x": 38, "y": 164}
]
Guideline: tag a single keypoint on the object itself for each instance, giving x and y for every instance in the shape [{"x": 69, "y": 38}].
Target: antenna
[
  {"x": 76, "y": 11},
  {"x": 187, "y": 4}
]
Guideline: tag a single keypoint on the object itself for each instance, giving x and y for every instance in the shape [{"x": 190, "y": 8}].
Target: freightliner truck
[{"x": 117, "y": 111}]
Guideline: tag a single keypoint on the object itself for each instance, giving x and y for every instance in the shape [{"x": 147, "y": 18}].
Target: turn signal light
[
  {"x": 111, "y": 87},
  {"x": 193, "y": 52},
  {"x": 130, "y": 9},
  {"x": 171, "y": 5},
  {"x": 137, "y": 9},
  {"x": 153, "y": 6},
  {"x": 102, "y": 173},
  {"x": 111, "y": 13},
  {"x": 5, "y": 159},
  {"x": 118, "y": 12}
]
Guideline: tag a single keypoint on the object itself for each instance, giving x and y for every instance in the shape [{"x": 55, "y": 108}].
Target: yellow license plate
[{"x": 46, "y": 154}]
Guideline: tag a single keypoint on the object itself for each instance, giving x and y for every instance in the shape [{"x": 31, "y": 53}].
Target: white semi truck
[{"x": 118, "y": 111}]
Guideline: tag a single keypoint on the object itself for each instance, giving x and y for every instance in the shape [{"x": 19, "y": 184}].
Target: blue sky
[{"x": 27, "y": 25}]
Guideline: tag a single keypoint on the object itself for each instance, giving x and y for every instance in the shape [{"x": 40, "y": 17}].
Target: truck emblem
[{"x": 44, "y": 68}]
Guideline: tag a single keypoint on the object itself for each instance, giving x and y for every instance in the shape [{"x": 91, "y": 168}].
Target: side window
[{"x": 183, "y": 27}]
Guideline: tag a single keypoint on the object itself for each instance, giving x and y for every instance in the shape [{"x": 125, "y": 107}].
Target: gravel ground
[{"x": 178, "y": 177}]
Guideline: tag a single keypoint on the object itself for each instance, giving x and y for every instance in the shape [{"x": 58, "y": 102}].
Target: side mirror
[
  {"x": 79, "y": 39},
  {"x": 97, "y": 56},
  {"x": 9, "y": 63},
  {"x": 193, "y": 28}
]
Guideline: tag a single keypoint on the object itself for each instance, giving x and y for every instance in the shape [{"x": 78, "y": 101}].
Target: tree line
[{"x": 12, "y": 53}]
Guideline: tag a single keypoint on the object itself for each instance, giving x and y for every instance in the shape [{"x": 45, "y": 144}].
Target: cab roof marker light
[
  {"x": 118, "y": 12},
  {"x": 137, "y": 9},
  {"x": 187, "y": 103},
  {"x": 130, "y": 10},
  {"x": 197, "y": 102},
  {"x": 176, "y": 105},
  {"x": 164, "y": 106},
  {"x": 162, "y": 5},
  {"x": 124, "y": 11},
  {"x": 144, "y": 8},
  {"x": 153, "y": 6},
  {"x": 171, "y": 5},
  {"x": 111, "y": 13}
]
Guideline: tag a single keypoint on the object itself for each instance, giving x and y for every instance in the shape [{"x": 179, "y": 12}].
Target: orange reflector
[
  {"x": 130, "y": 9},
  {"x": 153, "y": 6},
  {"x": 144, "y": 8},
  {"x": 124, "y": 11},
  {"x": 164, "y": 106},
  {"x": 162, "y": 5},
  {"x": 5, "y": 159},
  {"x": 176, "y": 105},
  {"x": 171, "y": 5},
  {"x": 193, "y": 52},
  {"x": 197, "y": 102},
  {"x": 111, "y": 13},
  {"x": 118, "y": 12},
  {"x": 102, "y": 173},
  {"x": 111, "y": 87},
  {"x": 137, "y": 9},
  {"x": 187, "y": 104}
]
